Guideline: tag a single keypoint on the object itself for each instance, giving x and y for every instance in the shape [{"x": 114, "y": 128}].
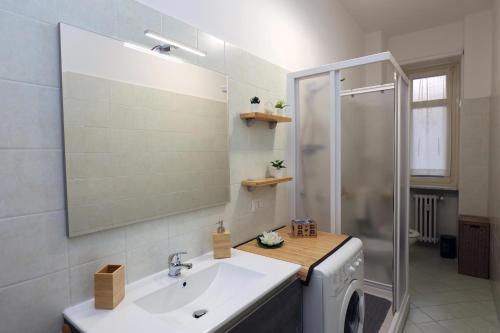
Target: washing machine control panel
[
  {"x": 347, "y": 273},
  {"x": 354, "y": 265}
]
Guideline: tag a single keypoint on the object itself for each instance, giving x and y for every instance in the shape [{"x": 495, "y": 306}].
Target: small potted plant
[
  {"x": 254, "y": 104},
  {"x": 276, "y": 168},
  {"x": 280, "y": 106}
]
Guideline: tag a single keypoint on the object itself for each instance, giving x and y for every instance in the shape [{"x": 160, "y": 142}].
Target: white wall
[
  {"x": 293, "y": 34},
  {"x": 375, "y": 42},
  {"x": 472, "y": 36},
  {"x": 437, "y": 42},
  {"x": 496, "y": 48},
  {"x": 478, "y": 55}
]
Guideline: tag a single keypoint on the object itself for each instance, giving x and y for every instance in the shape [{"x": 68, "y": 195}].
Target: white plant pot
[
  {"x": 275, "y": 173},
  {"x": 279, "y": 111},
  {"x": 269, "y": 108},
  {"x": 254, "y": 107}
]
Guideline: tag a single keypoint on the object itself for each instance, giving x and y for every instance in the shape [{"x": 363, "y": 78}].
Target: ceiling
[{"x": 395, "y": 17}]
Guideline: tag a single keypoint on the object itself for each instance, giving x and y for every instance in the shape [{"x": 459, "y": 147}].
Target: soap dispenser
[{"x": 221, "y": 242}]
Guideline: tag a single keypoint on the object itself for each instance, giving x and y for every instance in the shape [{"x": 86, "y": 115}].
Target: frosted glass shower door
[
  {"x": 404, "y": 195},
  {"x": 313, "y": 150},
  {"x": 367, "y": 177}
]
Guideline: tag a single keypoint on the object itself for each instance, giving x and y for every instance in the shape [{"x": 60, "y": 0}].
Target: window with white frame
[{"x": 433, "y": 125}]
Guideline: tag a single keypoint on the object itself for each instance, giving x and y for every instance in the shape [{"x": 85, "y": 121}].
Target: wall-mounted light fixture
[
  {"x": 155, "y": 52},
  {"x": 169, "y": 43}
]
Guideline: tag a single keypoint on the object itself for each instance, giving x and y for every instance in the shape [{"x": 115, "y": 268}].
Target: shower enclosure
[{"x": 350, "y": 159}]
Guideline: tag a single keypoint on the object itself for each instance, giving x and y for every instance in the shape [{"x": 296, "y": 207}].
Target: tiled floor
[{"x": 443, "y": 300}]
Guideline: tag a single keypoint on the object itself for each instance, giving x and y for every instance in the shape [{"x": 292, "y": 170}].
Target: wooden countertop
[{"x": 307, "y": 252}]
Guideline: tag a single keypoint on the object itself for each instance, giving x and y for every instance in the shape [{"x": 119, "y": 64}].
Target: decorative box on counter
[
  {"x": 109, "y": 286},
  {"x": 304, "y": 228}
]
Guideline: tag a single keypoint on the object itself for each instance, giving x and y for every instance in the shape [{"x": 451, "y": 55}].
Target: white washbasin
[
  {"x": 204, "y": 290},
  {"x": 158, "y": 303}
]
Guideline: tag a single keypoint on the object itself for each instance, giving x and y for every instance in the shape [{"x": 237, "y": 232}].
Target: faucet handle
[{"x": 176, "y": 256}]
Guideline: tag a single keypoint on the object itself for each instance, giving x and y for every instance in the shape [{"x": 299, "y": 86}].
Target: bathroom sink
[
  {"x": 201, "y": 299},
  {"x": 201, "y": 291}
]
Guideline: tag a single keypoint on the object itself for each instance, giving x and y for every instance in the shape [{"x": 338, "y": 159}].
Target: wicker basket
[{"x": 304, "y": 228}]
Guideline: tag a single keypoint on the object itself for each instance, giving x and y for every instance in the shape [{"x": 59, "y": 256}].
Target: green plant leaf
[
  {"x": 278, "y": 164},
  {"x": 280, "y": 104}
]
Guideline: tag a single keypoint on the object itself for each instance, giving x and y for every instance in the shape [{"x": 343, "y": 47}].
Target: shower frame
[{"x": 400, "y": 265}]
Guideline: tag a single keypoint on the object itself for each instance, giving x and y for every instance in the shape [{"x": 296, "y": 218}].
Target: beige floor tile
[
  {"x": 432, "y": 327},
  {"x": 456, "y": 303},
  {"x": 488, "y": 308},
  {"x": 471, "y": 309},
  {"x": 457, "y": 326},
  {"x": 418, "y": 316},
  {"x": 482, "y": 325},
  {"x": 483, "y": 294},
  {"x": 458, "y": 310},
  {"x": 422, "y": 300},
  {"x": 493, "y": 319},
  {"x": 440, "y": 298},
  {"x": 455, "y": 297},
  {"x": 438, "y": 312},
  {"x": 411, "y": 328},
  {"x": 431, "y": 286}
]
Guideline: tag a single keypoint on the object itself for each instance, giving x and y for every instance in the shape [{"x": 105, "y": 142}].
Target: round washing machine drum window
[{"x": 353, "y": 314}]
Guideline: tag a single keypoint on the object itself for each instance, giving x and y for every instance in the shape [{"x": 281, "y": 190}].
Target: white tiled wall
[{"x": 41, "y": 271}]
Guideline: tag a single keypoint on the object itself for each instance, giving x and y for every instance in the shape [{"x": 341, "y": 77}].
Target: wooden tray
[{"x": 307, "y": 252}]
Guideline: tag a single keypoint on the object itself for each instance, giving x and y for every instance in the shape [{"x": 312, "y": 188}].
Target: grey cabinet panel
[{"x": 280, "y": 313}]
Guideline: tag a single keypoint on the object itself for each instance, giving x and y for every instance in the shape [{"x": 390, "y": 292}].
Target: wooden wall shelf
[
  {"x": 272, "y": 119},
  {"x": 251, "y": 184}
]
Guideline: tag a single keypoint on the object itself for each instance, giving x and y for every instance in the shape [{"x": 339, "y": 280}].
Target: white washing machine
[{"x": 334, "y": 299}]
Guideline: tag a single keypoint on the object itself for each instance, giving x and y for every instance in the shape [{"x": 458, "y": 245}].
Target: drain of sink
[{"x": 199, "y": 313}]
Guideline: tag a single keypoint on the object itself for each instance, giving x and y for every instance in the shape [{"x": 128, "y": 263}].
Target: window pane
[
  {"x": 429, "y": 88},
  {"x": 430, "y": 142}
]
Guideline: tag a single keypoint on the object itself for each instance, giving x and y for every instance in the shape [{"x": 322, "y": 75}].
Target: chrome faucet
[{"x": 175, "y": 265}]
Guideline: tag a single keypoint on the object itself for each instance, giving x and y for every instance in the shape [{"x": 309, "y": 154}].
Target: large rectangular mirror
[{"x": 145, "y": 136}]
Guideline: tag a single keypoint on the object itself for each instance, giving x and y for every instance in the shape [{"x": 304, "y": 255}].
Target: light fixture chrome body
[
  {"x": 168, "y": 44},
  {"x": 154, "y": 52}
]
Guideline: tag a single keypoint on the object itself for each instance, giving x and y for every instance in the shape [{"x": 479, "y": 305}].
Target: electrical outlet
[
  {"x": 261, "y": 203},
  {"x": 253, "y": 208},
  {"x": 257, "y": 204}
]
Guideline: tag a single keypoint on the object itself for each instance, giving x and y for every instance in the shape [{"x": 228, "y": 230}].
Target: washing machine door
[{"x": 352, "y": 312}]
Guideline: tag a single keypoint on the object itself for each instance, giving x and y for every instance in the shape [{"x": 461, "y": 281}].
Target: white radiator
[{"x": 426, "y": 217}]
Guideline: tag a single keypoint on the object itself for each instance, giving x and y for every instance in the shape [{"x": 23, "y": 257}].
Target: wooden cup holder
[{"x": 109, "y": 286}]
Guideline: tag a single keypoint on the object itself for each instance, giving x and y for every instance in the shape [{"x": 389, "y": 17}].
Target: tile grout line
[
  {"x": 30, "y": 149},
  {"x": 6, "y": 218},
  {"x": 39, "y": 277},
  {"x": 28, "y": 17},
  {"x": 28, "y": 83}
]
